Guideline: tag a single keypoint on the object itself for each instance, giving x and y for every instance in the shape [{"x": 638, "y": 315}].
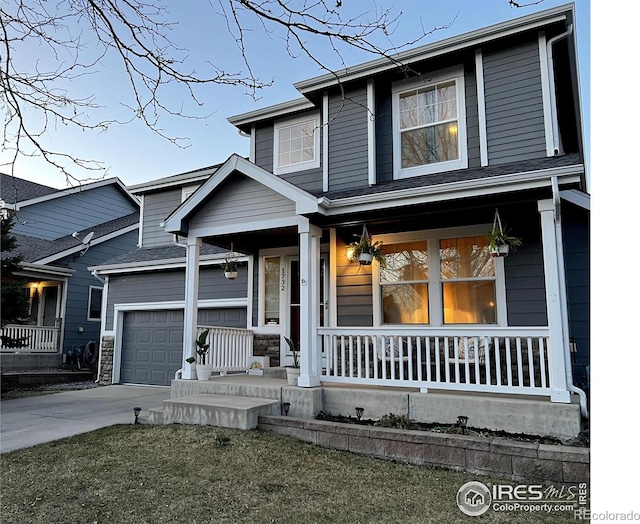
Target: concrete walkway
[{"x": 29, "y": 421}]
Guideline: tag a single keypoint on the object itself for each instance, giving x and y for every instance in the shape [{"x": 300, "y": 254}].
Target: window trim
[
  {"x": 398, "y": 88},
  {"x": 89, "y": 318},
  {"x": 300, "y": 166},
  {"x": 436, "y": 312}
]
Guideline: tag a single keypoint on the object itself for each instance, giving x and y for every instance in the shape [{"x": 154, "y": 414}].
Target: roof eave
[{"x": 470, "y": 39}]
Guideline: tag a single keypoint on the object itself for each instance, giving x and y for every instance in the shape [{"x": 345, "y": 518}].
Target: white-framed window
[
  {"x": 296, "y": 144},
  {"x": 94, "y": 309},
  {"x": 429, "y": 124},
  {"x": 187, "y": 191},
  {"x": 440, "y": 277}
]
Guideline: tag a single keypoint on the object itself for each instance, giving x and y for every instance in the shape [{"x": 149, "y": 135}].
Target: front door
[{"x": 293, "y": 299}]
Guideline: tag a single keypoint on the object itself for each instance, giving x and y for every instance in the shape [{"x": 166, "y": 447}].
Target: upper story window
[
  {"x": 429, "y": 125},
  {"x": 296, "y": 144}
]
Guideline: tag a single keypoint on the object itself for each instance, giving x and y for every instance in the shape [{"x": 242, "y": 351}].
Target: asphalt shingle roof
[
  {"x": 14, "y": 189},
  {"x": 154, "y": 254},
  {"x": 459, "y": 175},
  {"x": 34, "y": 249}
]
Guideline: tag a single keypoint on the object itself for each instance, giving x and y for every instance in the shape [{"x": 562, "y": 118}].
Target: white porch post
[
  {"x": 557, "y": 369},
  {"x": 192, "y": 277},
  {"x": 310, "y": 356}
]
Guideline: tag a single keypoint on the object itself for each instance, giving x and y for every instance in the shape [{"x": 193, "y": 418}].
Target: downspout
[
  {"x": 552, "y": 84},
  {"x": 103, "y": 319},
  {"x": 563, "y": 301}
]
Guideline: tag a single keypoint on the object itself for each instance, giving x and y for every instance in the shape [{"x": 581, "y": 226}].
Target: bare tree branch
[{"x": 74, "y": 38}]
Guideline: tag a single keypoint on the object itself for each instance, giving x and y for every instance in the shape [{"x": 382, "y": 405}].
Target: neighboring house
[
  {"x": 424, "y": 152},
  {"x": 60, "y": 233}
]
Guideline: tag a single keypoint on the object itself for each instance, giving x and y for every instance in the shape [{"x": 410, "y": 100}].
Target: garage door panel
[
  {"x": 152, "y": 347},
  {"x": 152, "y": 342}
]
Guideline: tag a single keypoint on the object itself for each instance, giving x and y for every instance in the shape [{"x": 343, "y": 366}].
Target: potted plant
[
  {"x": 293, "y": 372},
  {"x": 230, "y": 266},
  {"x": 366, "y": 251},
  {"x": 500, "y": 241},
  {"x": 203, "y": 370}
]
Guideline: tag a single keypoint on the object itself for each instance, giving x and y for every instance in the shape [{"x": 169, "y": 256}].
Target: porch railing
[
  {"x": 229, "y": 348},
  {"x": 37, "y": 339},
  {"x": 493, "y": 360}
]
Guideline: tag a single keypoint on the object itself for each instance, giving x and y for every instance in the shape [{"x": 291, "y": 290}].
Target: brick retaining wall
[{"x": 512, "y": 460}]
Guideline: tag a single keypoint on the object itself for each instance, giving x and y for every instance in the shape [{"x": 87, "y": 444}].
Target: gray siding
[
  {"x": 348, "y": 145},
  {"x": 308, "y": 179},
  {"x": 166, "y": 286},
  {"x": 575, "y": 236},
  {"x": 513, "y": 102},
  {"x": 384, "y": 132},
  {"x": 471, "y": 108},
  {"x": 156, "y": 208},
  {"x": 354, "y": 292},
  {"x": 62, "y": 216},
  {"x": 243, "y": 199},
  {"x": 78, "y": 288}
]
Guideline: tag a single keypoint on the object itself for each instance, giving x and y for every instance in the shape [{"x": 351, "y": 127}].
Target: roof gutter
[{"x": 453, "y": 190}]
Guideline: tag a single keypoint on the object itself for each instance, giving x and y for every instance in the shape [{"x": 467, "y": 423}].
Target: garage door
[
  {"x": 151, "y": 347},
  {"x": 152, "y": 342}
]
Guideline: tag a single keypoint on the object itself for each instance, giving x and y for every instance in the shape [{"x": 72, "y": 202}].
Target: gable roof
[
  {"x": 14, "y": 189},
  {"x": 42, "y": 251},
  {"x": 304, "y": 201}
]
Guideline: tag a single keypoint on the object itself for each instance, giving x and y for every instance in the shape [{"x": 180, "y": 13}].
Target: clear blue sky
[{"x": 135, "y": 155}]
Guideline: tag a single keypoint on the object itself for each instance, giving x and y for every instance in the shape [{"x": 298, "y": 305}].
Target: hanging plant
[
  {"x": 365, "y": 251},
  {"x": 230, "y": 265},
  {"x": 499, "y": 240}
]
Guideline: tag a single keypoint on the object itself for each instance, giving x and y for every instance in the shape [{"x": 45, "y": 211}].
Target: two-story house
[
  {"x": 428, "y": 154},
  {"x": 59, "y": 234}
]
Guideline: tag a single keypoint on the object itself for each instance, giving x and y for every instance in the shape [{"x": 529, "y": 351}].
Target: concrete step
[{"x": 218, "y": 410}]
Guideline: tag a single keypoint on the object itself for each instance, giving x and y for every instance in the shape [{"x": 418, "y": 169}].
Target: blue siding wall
[
  {"x": 62, "y": 216},
  {"x": 513, "y": 103},
  {"x": 80, "y": 282}
]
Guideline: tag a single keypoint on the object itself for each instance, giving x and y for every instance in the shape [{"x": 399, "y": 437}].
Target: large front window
[
  {"x": 438, "y": 278},
  {"x": 429, "y": 122}
]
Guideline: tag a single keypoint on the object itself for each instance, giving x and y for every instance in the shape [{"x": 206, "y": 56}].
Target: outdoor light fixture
[
  {"x": 350, "y": 253},
  {"x": 462, "y": 422},
  {"x": 359, "y": 412},
  {"x": 285, "y": 408},
  {"x": 136, "y": 412}
]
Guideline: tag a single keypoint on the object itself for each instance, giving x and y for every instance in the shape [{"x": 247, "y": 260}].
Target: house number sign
[{"x": 282, "y": 280}]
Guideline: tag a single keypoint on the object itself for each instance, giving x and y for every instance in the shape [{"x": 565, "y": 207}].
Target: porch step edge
[{"x": 218, "y": 410}]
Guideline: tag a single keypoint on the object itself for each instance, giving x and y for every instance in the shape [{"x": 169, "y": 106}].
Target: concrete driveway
[{"x": 29, "y": 421}]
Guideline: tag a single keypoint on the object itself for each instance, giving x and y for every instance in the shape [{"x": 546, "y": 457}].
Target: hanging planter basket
[
  {"x": 230, "y": 265},
  {"x": 500, "y": 242},
  {"x": 365, "y": 251}
]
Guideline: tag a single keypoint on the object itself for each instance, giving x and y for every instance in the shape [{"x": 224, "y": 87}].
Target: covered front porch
[{"x": 506, "y": 346}]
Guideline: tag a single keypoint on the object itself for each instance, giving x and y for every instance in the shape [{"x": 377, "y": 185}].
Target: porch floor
[{"x": 512, "y": 413}]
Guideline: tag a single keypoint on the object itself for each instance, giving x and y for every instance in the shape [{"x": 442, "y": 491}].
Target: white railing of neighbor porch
[
  {"x": 493, "y": 360},
  {"x": 37, "y": 339},
  {"x": 229, "y": 348}
]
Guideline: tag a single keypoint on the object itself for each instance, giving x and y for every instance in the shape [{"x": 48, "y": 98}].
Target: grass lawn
[{"x": 196, "y": 474}]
